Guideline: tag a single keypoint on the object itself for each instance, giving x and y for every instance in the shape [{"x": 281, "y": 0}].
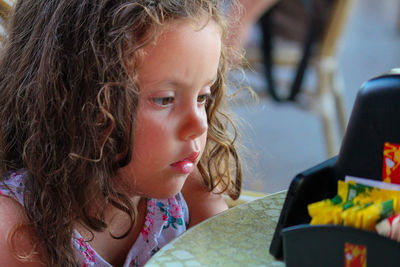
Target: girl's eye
[
  {"x": 203, "y": 99},
  {"x": 163, "y": 101}
]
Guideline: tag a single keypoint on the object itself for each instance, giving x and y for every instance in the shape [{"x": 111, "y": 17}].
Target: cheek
[
  {"x": 203, "y": 140},
  {"x": 150, "y": 135}
]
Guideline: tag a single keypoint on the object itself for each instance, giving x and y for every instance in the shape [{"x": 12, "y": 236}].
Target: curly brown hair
[{"x": 66, "y": 91}]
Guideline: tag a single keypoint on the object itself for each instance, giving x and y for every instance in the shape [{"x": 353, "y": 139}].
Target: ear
[{"x": 124, "y": 158}]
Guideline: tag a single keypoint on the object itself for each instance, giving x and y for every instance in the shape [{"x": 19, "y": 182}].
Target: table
[{"x": 239, "y": 236}]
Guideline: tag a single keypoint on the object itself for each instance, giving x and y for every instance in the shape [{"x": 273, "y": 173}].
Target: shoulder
[
  {"x": 202, "y": 203},
  {"x": 12, "y": 214}
]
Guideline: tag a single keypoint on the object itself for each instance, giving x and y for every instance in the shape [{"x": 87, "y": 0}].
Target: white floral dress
[{"x": 165, "y": 220}]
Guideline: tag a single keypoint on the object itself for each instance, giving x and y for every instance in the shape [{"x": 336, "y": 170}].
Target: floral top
[{"x": 165, "y": 220}]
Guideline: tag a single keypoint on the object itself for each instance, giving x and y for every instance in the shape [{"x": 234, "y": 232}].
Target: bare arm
[
  {"x": 12, "y": 214},
  {"x": 252, "y": 10},
  {"x": 202, "y": 203}
]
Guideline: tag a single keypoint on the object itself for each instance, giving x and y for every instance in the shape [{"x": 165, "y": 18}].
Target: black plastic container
[
  {"x": 324, "y": 245},
  {"x": 374, "y": 120},
  {"x": 310, "y": 186}
]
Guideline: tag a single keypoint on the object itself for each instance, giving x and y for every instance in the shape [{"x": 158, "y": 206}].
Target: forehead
[
  {"x": 154, "y": 34},
  {"x": 183, "y": 49},
  {"x": 192, "y": 30}
]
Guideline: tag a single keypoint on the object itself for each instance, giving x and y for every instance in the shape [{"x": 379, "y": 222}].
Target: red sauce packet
[
  {"x": 355, "y": 255},
  {"x": 391, "y": 163}
]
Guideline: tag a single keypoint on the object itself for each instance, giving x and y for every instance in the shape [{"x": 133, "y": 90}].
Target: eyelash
[
  {"x": 161, "y": 101},
  {"x": 166, "y": 101},
  {"x": 205, "y": 98}
]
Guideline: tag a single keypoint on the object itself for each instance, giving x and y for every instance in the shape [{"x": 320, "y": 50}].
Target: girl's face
[{"x": 174, "y": 79}]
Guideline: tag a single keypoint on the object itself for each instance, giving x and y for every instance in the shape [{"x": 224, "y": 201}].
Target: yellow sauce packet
[{"x": 355, "y": 205}]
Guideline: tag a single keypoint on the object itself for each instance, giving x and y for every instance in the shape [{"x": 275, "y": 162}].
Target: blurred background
[{"x": 282, "y": 139}]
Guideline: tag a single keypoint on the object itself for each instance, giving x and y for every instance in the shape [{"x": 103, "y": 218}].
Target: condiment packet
[{"x": 358, "y": 203}]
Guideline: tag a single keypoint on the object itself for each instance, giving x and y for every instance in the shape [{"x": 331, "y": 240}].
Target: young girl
[{"x": 113, "y": 140}]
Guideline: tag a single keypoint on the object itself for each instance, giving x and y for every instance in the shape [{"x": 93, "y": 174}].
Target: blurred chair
[
  {"x": 5, "y": 7},
  {"x": 318, "y": 50}
]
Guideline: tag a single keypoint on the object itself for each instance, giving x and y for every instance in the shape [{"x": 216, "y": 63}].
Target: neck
[
  {"x": 119, "y": 222},
  {"x": 114, "y": 243}
]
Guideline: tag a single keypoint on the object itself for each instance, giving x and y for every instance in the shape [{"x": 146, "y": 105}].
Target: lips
[{"x": 186, "y": 165}]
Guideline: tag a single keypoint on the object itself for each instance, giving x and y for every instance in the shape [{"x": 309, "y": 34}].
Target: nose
[{"x": 194, "y": 123}]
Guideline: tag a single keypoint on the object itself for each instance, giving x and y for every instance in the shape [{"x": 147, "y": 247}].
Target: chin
[{"x": 166, "y": 191}]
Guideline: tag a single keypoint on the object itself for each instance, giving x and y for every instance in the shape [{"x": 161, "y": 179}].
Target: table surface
[{"x": 239, "y": 236}]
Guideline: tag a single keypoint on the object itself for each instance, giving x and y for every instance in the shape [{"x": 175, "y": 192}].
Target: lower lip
[{"x": 184, "y": 167}]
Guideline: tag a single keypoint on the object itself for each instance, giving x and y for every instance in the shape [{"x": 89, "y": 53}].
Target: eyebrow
[{"x": 178, "y": 83}]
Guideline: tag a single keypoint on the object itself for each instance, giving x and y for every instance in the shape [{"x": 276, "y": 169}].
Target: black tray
[
  {"x": 324, "y": 245},
  {"x": 374, "y": 120}
]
